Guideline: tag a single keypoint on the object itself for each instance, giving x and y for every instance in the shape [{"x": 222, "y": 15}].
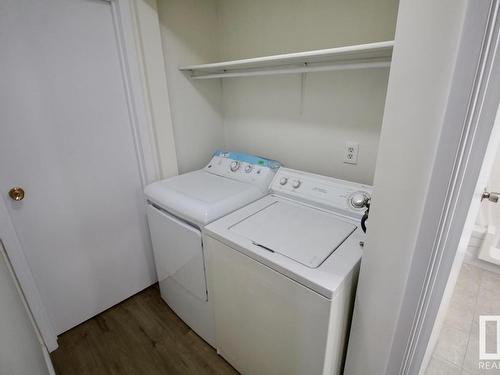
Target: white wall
[
  {"x": 305, "y": 127},
  {"x": 269, "y": 117},
  {"x": 419, "y": 86},
  {"x": 249, "y": 28},
  {"x": 494, "y": 180},
  {"x": 489, "y": 214},
  {"x": 304, "y": 124},
  {"x": 189, "y": 34},
  {"x": 21, "y": 351}
]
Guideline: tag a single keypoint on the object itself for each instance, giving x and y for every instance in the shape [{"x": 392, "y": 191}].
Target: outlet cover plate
[{"x": 351, "y": 153}]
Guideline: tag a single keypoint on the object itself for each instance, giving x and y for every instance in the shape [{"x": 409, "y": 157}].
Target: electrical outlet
[{"x": 351, "y": 153}]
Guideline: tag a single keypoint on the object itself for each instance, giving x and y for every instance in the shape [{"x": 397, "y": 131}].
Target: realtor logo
[{"x": 489, "y": 337}]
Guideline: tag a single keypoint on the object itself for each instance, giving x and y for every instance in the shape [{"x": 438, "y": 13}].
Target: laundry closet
[
  {"x": 302, "y": 111},
  {"x": 187, "y": 184}
]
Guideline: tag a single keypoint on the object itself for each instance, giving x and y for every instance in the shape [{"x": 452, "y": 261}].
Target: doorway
[{"x": 473, "y": 287}]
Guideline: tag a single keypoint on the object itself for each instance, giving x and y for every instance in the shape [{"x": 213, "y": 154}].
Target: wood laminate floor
[{"x": 138, "y": 336}]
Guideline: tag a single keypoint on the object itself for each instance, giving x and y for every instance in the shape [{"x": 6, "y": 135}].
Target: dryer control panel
[
  {"x": 243, "y": 167},
  {"x": 331, "y": 193}
]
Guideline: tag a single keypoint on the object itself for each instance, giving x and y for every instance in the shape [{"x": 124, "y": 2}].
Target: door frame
[
  {"x": 126, "y": 27},
  {"x": 468, "y": 125},
  {"x": 15, "y": 256},
  {"x": 8, "y": 236},
  {"x": 134, "y": 79},
  {"x": 137, "y": 30}
]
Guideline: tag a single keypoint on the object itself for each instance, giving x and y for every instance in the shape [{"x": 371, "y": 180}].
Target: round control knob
[
  {"x": 248, "y": 168},
  {"x": 358, "y": 199},
  {"x": 283, "y": 181},
  {"x": 234, "y": 166},
  {"x": 296, "y": 184}
]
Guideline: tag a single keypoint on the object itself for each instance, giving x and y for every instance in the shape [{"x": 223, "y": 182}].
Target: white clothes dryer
[{"x": 179, "y": 207}]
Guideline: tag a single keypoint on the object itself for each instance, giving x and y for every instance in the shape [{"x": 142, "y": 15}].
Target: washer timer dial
[{"x": 358, "y": 199}]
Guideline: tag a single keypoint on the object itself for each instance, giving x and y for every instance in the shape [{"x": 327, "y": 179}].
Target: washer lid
[{"x": 302, "y": 233}]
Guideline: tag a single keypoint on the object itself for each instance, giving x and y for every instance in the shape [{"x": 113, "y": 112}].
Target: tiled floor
[{"x": 477, "y": 292}]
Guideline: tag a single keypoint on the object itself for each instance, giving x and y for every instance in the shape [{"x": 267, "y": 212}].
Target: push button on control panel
[
  {"x": 283, "y": 180},
  {"x": 248, "y": 168},
  {"x": 296, "y": 184}
]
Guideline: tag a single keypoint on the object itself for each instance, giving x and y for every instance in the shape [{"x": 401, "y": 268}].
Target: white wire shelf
[{"x": 361, "y": 56}]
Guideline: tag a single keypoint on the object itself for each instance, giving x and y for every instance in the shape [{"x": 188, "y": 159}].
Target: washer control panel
[
  {"x": 243, "y": 167},
  {"x": 331, "y": 193}
]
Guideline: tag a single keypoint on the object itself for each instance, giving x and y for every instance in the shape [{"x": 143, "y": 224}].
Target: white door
[{"x": 66, "y": 139}]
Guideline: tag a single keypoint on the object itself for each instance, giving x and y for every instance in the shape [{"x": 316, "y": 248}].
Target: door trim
[
  {"x": 469, "y": 121},
  {"x": 134, "y": 78}
]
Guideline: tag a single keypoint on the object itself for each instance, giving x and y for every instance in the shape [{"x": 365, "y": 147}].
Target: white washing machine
[
  {"x": 282, "y": 275},
  {"x": 179, "y": 207}
]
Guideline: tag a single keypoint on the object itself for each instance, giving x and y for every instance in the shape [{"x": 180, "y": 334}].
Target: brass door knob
[{"x": 16, "y": 193}]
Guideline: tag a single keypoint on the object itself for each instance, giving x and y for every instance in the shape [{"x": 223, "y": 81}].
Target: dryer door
[{"x": 178, "y": 253}]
